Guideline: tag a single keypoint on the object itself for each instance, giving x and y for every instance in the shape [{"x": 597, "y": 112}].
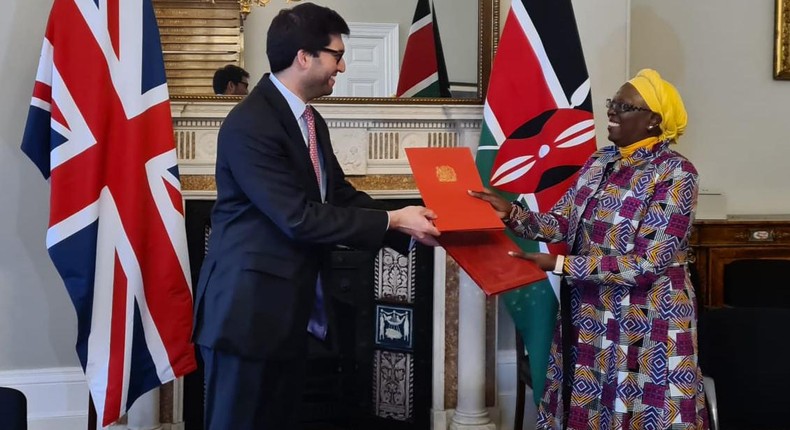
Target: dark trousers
[{"x": 247, "y": 394}]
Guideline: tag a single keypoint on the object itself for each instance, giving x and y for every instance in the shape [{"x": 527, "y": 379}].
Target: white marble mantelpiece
[{"x": 367, "y": 139}]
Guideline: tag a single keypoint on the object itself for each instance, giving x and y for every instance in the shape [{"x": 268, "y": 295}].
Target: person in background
[
  {"x": 231, "y": 80},
  {"x": 282, "y": 204},
  {"x": 632, "y": 361}
]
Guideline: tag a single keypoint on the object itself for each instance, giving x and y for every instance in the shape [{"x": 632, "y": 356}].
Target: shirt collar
[{"x": 294, "y": 102}]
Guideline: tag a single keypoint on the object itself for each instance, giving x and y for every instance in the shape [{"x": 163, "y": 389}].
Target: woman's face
[{"x": 630, "y": 120}]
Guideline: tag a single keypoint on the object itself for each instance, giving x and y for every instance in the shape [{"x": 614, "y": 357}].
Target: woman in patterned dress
[{"x": 627, "y": 222}]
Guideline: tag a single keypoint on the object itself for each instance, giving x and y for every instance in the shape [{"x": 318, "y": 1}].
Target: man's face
[
  {"x": 238, "y": 89},
  {"x": 324, "y": 67}
]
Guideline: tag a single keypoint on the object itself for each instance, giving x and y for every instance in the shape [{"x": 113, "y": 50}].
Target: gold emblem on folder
[{"x": 445, "y": 174}]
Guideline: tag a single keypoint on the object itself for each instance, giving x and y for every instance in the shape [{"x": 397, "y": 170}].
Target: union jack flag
[{"x": 99, "y": 128}]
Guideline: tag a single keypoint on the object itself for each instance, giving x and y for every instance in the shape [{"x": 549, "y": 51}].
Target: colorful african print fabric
[{"x": 627, "y": 223}]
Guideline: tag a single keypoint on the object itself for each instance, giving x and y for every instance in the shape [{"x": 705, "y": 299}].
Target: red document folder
[
  {"x": 443, "y": 176},
  {"x": 472, "y": 233},
  {"x": 484, "y": 257}
]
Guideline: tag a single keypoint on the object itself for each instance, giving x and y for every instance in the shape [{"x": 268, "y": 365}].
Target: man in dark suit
[{"x": 282, "y": 203}]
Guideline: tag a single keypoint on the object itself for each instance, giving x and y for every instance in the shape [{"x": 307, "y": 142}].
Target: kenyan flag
[
  {"x": 423, "y": 72},
  {"x": 538, "y": 132}
]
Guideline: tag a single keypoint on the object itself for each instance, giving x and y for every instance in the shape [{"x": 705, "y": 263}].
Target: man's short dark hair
[
  {"x": 306, "y": 26},
  {"x": 229, "y": 73}
]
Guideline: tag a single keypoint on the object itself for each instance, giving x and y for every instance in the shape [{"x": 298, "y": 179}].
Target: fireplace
[{"x": 370, "y": 142}]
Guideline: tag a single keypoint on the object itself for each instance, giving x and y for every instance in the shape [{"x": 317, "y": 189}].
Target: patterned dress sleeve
[
  {"x": 552, "y": 226},
  {"x": 549, "y": 227},
  {"x": 663, "y": 232}
]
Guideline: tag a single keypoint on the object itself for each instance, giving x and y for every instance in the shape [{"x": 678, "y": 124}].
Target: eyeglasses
[
  {"x": 335, "y": 53},
  {"x": 246, "y": 84},
  {"x": 620, "y": 107}
]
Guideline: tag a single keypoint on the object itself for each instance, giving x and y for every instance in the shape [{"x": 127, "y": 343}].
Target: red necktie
[
  {"x": 312, "y": 142},
  {"x": 318, "y": 324}
]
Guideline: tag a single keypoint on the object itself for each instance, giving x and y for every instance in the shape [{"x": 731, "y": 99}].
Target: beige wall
[
  {"x": 603, "y": 30},
  {"x": 37, "y": 322},
  {"x": 720, "y": 56}
]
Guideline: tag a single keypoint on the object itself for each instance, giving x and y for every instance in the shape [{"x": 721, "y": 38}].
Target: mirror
[{"x": 467, "y": 29}]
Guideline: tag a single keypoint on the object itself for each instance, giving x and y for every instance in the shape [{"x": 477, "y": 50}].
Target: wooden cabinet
[{"x": 716, "y": 243}]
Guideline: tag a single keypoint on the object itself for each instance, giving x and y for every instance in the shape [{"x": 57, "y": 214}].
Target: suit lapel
[{"x": 291, "y": 126}]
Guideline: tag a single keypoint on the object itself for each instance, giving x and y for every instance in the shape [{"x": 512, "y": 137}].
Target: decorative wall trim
[
  {"x": 506, "y": 384},
  {"x": 367, "y": 139},
  {"x": 389, "y": 186},
  {"x": 57, "y": 398},
  {"x": 506, "y": 392}
]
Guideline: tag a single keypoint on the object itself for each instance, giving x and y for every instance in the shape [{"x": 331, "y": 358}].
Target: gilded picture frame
[{"x": 782, "y": 40}]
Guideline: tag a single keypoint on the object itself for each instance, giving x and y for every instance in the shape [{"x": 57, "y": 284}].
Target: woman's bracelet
[
  {"x": 559, "y": 265},
  {"x": 515, "y": 207}
]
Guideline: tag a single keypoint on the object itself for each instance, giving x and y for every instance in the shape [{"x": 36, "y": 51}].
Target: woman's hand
[
  {"x": 500, "y": 205},
  {"x": 546, "y": 262}
]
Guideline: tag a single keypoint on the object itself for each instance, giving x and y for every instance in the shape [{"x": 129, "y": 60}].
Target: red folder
[
  {"x": 484, "y": 257},
  {"x": 443, "y": 176},
  {"x": 472, "y": 233}
]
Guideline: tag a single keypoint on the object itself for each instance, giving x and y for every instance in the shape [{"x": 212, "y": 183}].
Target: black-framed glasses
[
  {"x": 621, "y": 107},
  {"x": 335, "y": 53},
  {"x": 246, "y": 84}
]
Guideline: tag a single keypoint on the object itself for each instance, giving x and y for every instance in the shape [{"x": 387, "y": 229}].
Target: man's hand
[
  {"x": 546, "y": 262},
  {"x": 500, "y": 205},
  {"x": 416, "y": 221},
  {"x": 427, "y": 240}
]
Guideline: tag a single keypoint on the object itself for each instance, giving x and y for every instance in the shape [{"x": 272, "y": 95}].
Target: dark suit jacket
[{"x": 271, "y": 234}]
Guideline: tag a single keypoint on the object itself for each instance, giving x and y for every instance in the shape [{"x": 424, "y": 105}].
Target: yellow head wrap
[{"x": 662, "y": 97}]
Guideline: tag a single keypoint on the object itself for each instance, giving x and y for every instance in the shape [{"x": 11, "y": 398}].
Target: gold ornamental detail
[{"x": 446, "y": 174}]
